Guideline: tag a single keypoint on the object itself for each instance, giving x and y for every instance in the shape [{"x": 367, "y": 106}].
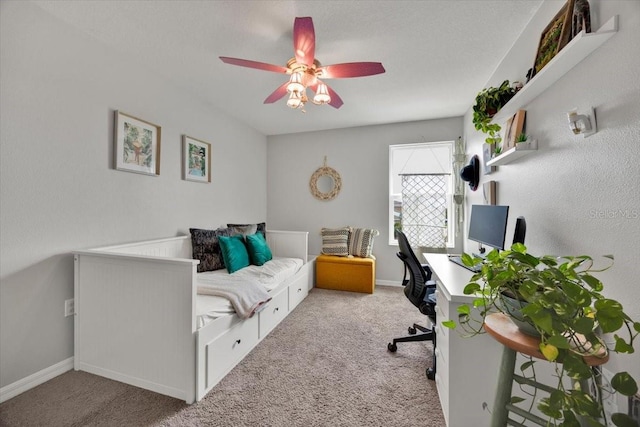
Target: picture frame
[
  {"x": 507, "y": 134},
  {"x": 487, "y": 152},
  {"x": 196, "y": 164},
  {"x": 554, "y": 37},
  {"x": 512, "y": 128},
  {"x": 137, "y": 145},
  {"x": 489, "y": 193}
]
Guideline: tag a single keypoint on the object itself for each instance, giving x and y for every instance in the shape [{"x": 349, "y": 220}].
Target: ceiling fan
[{"x": 305, "y": 70}]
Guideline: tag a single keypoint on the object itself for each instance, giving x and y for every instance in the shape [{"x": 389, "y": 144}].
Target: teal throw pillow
[
  {"x": 259, "y": 251},
  {"x": 234, "y": 252}
]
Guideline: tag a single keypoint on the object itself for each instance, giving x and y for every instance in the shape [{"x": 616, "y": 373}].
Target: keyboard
[{"x": 458, "y": 260}]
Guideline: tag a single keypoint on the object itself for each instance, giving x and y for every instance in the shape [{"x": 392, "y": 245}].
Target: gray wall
[
  {"x": 59, "y": 191},
  {"x": 581, "y": 196},
  {"x": 361, "y": 156}
]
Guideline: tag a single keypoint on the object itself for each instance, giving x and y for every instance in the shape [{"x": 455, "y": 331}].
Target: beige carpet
[{"x": 326, "y": 364}]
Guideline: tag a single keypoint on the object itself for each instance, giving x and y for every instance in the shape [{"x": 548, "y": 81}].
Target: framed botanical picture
[
  {"x": 137, "y": 145},
  {"x": 554, "y": 37},
  {"x": 196, "y": 156}
]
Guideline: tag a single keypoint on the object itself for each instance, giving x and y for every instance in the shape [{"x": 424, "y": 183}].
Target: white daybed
[{"x": 136, "y": 315}]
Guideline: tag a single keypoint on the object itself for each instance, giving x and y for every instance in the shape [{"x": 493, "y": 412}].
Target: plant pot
[{"x": 513, "y": 308}]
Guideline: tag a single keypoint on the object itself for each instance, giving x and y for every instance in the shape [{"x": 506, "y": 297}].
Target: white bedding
[{"x": 269, "y": 275}]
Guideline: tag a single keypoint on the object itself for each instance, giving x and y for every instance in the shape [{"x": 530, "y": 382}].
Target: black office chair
[{"x": 420, "y": 290}]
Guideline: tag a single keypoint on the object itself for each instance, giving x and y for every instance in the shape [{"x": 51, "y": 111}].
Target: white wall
[
  {"x": 361, "y": 156},
  {"x": 581, "y": 196},
  {"x": 59, "y": 190}
]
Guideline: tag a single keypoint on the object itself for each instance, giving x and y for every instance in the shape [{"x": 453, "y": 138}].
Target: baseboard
[
  {"x": 388, "y": 283},
  {"x": 12, "y": 390}
]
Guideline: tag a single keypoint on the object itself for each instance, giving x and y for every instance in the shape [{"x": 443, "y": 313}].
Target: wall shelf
[
  {"x": 521, "y": 149},
  {"x": 581, "y": 46}
]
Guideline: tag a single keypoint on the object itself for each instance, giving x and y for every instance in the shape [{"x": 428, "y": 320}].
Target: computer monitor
[{"x": 488, "y": 225}]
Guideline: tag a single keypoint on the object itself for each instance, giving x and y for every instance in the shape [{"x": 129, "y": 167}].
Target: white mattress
[{"x": 269, "y": 275}]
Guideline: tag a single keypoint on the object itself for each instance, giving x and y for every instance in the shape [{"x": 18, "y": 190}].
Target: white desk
[{"x": 463, "y": 387}]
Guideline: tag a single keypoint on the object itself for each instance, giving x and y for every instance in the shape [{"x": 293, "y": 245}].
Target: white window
[{"x": 421, "y": 190}]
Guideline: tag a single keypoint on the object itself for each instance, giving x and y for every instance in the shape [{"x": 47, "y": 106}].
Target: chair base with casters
[{"x": 427, "y": 335}]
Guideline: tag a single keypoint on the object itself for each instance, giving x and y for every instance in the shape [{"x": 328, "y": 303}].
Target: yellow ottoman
[{"x": 346, "y": 274}]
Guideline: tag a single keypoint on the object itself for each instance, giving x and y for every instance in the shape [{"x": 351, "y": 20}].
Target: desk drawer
[
  {"x": 441, "y": 302},
  {"x": 442, "y": 339},
  {"x": 442, "y": 361}
]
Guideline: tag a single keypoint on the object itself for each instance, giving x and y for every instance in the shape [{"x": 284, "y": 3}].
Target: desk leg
[{"x": 500, "y": 414}]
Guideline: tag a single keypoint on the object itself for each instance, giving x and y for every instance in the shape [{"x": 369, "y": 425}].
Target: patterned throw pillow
[
  {"x": 206, "y": 247},
  {"x": 361, "y": 242},
  {"x": 335, "y": 241}
]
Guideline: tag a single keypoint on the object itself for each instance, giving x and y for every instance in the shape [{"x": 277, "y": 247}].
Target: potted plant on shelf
[
  {"x": 488, "y": 102},
  {"x": 523, "y": 137},
  {"x": 497, "y": 151},
  {"x": 558, "y": 299}
]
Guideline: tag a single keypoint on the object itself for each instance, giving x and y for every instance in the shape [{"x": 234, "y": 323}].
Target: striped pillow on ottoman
[
  {"x": 361, "y": 242},
  {"x": 335, "y": 241}
]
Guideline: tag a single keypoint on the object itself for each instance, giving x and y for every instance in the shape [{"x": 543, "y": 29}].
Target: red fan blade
[
  {"x": 336, "y": 101},
  {"x": 277, "y": 94},
  {"x": 304, "y": 41},
  {"x": 352, "y": 69},
  {"x": 254, "y": 64}
]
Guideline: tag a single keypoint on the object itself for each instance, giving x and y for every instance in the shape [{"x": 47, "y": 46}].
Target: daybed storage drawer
[
  {"x": 226, "y": 351},
  {"x": 298, "y": 291},
  {"x": 299, "y": 288},
  {"x": 274, "y": 312}
]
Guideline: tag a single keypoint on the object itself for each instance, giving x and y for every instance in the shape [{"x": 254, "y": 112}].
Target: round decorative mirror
[{"x": 325, "y": 183}]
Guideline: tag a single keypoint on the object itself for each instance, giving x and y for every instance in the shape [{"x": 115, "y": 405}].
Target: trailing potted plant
[
  {"x": 488, "y": 102},
  {"x": 562, "y": 302}
]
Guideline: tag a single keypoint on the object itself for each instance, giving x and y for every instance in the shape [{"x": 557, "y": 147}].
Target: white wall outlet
[{"x": 69, "y": 308}]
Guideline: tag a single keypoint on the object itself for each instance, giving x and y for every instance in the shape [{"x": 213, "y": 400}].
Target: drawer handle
[
  {"x": 299, "y": 289},
  {"x": 238, "y": 341},
  {"x": 277, "y": 308}
]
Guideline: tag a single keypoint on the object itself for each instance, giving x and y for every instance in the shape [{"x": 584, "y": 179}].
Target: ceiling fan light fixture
[
  {"x": 295, "y": 83},
  {"x": 295, "y": 100},
  {"x": 322, "y": 95},
  {"x": 305, "y": 70}
]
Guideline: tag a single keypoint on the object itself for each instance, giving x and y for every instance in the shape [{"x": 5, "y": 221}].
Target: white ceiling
[{"x": 437, "y": 53}]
